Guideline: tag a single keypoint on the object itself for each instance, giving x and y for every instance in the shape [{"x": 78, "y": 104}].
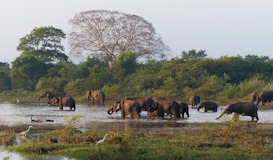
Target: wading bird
[
  {"x": 101, "y": 141},
  {"x": 25, "y": 132},
  {"x": 33, "y": 120}
]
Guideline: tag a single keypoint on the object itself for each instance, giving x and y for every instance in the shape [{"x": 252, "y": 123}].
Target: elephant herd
[
  {"x": 159, "y": 107},
  {"x": 62, "y": 100}
]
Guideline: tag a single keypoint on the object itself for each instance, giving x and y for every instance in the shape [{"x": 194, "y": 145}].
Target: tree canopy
[
  {"x": 193, "y": 54},
  {"x": 44, "y": 43},
  {"x": 108, "y": 33}
]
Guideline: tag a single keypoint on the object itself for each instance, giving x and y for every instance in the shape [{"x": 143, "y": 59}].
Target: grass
[{"x": 232, "y": 140}]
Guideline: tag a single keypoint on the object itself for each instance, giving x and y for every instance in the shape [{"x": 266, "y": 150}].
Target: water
[{"x": 96, "y": 117}]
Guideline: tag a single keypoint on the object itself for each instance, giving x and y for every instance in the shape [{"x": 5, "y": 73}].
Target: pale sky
[{"x": 221, "y": 27}]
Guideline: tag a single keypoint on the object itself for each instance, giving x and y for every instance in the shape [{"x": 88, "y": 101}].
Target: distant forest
[
  {"x": 113, "y": 65},
  {"x": 218, "y": 79}
]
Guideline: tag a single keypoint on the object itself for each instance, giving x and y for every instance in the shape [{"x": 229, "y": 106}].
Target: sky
[{"x": 221, "y": 27}]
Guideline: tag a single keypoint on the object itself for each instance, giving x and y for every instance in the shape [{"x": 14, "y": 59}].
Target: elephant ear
[{"x": 118, "y": 106}]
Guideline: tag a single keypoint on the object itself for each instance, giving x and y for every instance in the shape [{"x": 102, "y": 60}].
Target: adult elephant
[
  {"x": 208, "y": 106},
  {"x": 242, "y": 108},
  {"x": 194, "y": 100},
  {"x": 64, "y": 101},
  {"x": 166, "y": 106},
  {"x": 264, "y": 96},
  {"x": 145, "y": 103},
  {"x": 51, "y": 95},
  {"x": 184, "y": 108},
  {"x": 97, "y": 95},
  {"x": 127, "y": 107}
]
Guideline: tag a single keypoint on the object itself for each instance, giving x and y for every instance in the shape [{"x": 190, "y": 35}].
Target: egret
[
  {"x": 25, "y": 132},
  {"x": 17, "y": 100},
  {"x": 101, "y": 141}
]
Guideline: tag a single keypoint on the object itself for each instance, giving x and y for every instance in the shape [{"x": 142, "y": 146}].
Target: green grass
[{"x": 233, "y": 140}]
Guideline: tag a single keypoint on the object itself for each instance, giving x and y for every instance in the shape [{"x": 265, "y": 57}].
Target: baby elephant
[
  {"x": 208, "y": 106},
  {"x": 64, "y": 101}
]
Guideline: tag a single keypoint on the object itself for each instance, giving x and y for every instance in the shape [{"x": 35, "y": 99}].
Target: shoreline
[{"x": 109, "y": 102}]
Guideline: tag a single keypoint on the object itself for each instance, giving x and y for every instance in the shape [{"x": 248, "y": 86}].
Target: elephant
[
  {"x": 127, "y": 107},
  {"x": 51, "y": 95},
  {"x": 264, "y": 96},
  {"x": 145, "y": 103},
  {"x": 253, "y": 96},
  {"x": 97, "y": 95},
  {"x": 208, "y": 106},
  {"x": 242, "y": 108},
  {"x": 157, "y": 98},
  {"x": 184, "y": 108},
  {"x": 153, "y": 114},
  {"x": 194, "y": 100},
  {"x": 64, "y": 101},
  {"x": 166, "y": 106}
]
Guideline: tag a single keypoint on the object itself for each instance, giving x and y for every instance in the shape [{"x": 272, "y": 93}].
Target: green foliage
[
  {"x": 5, "y": 81},
  {"x": 226, "y": 78},
  {"x": 193, "y": 54},
  {"x": 44, "y": 43},
  {"x": 98, "y": 77},
  {"x": 213, "y": 85},
  {"x": 248, "y": 86},
  {"x": 26, "y": 71},
  {"x": 51, "y": 84},
  {"x": 112, "y": 91},
  {"x": 75, "y": 88}
]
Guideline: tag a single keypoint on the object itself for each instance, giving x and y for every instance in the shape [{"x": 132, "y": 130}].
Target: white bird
[
  {"x": 101, "y": 141},
  {"x": 25, "y": 132},
  {"x": 17, "y": 100}
]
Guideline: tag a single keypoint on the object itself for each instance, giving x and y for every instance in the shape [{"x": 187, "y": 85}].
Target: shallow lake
[{"x": 96, "y": 117}]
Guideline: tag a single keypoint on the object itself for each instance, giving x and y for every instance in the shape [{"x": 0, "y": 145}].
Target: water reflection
[
  {"x": 17, "y": 156},
  {"x": 96, "y": 117}
]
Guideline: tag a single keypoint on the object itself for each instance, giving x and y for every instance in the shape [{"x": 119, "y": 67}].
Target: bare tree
[{"x": 108, "y": 33}]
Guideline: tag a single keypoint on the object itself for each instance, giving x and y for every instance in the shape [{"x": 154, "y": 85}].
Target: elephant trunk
[{"x": 110, "y": 111}]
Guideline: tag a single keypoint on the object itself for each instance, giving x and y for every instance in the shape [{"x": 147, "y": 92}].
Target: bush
[
  {"x": 248, "y": 86},
  {"x": 51, "y": 84},
  {"x": 75, "y": 88}
]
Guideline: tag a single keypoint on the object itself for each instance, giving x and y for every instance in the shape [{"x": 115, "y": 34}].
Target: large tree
[
  {"x": 108, "y": 33},
  {"x": 44, "y": 43}
]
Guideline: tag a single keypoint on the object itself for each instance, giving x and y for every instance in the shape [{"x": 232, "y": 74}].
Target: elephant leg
[
  {"x": 258, "y": 101},
  {"x": 122, "y": 115}
]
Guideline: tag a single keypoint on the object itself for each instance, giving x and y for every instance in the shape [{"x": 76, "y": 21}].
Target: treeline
[{"x": 179, "y": 78}]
